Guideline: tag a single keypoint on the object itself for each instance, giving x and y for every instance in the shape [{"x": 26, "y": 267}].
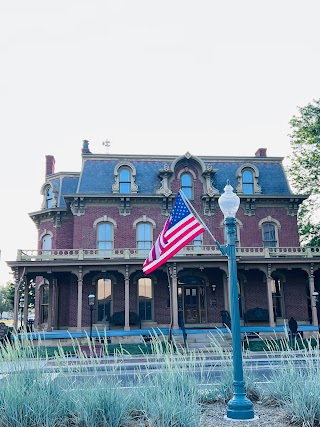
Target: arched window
[
  {"x": 187, "y": 185},
  {"x": 44, "y": 303},
  {"x": 269, "y": 237},
  {"x": 145, "y": 298},
  {"x": 105, "y": 238},
  {"x": 247, "y": 181},
  {"x": 248, "y": 176},
  {"x": 104, "y": 300},
  {"x": 144, "y": 237},
  {"x": 49, "y": 198},
  {"x": 277, "y": 297},
  {"x": 46, "y": 244},
  {"x": 124, "y": 181}
]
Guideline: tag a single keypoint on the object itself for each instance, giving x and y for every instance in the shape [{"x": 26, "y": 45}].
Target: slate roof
[{"x": 97, "y": 175}]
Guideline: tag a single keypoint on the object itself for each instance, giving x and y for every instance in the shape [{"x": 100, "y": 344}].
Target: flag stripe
[
  {"x": 168, "y": 254},
  {"x": 180, "y": 228}
]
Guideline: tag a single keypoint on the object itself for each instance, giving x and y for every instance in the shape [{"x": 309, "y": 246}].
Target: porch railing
[{"x": 135, "y": 253}]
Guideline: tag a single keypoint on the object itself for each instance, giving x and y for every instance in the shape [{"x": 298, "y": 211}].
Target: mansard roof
[{"x": 97, "y": 175}]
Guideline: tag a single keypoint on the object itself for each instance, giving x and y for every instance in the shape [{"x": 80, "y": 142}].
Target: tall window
[
  {"x": 269, "y": 235},
  {"x": 124, "y": 181},
  {"x": 104, "y": 292},
  {"x": 144, "y": 237},
  {"x": 49, "y": 198},
  {"x": 105, "y": 238},
  {"x": 145, "y": 298},
  {"x": 46, "y": 244},
  {"x": 247, "y": 182},
  {"x": 44, "y": 303},
  {"x": 186, "y": 185},
  {"x": 277, "y": 298},
  {"x": 197, "y": 243}
]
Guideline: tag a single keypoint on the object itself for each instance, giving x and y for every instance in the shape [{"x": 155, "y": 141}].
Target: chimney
[
  {"x": 261, "y": 152},
  {"x": 85, "y": 147},
  {"x": 50, "y": 165}
]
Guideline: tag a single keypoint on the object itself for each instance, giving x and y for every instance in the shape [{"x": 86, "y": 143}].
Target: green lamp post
[{"x": 239, "y": 407}]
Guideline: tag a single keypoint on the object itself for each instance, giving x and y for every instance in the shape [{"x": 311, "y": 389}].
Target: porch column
[
  {"x": 272, "y": 322},
  {"x": 16, "y": 299},
  {"x": 50, "y": 299},
  {"x": 126, "y": 300},
  {"x": 26, "y": 302},
  {"x": 313, "y": 303},
  {"x": 79, "y": 310},
  {"x": 54, "y": 303},
  {"x": 174, "y": 297}
]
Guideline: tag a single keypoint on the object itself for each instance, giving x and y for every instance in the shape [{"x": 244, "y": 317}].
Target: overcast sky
[{"x": 166, "y": 77}]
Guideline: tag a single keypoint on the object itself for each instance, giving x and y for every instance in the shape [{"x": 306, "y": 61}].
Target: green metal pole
[{"x": 239, "y": 407}]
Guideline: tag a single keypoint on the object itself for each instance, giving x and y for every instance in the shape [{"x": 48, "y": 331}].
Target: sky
[{"x": 164, "y": 77}]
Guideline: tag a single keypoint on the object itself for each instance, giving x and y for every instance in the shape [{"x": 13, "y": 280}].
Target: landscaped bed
[{"x": 178, "y": 396}]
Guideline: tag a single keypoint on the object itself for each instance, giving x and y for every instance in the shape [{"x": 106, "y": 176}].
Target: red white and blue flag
[{"x": 179, "y": 229}]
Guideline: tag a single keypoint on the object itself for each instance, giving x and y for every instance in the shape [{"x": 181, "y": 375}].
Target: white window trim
[
  {"x": 277, "y": 227},
  {"x": 133, "y": 172}
]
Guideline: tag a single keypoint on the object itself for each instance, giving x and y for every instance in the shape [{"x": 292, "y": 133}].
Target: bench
[{"x": 256, "y": 314}]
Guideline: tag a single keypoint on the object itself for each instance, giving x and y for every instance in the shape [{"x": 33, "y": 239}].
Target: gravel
[{"x": 266, "y": 416}]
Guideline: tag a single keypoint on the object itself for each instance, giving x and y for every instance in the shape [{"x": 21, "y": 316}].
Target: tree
[
  {"x": 31, "y": 293},
  {"x": 304, "y": 170},
  {"x": 5, "y": 300}
]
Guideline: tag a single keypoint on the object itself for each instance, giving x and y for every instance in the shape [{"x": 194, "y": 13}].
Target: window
[
  {"x": 124, "y": 178},
  {"x": 144, "y": 237},
  {"x": 277, "y": 298},
  {"x": 46, "y": 244},
  {"x": 124, "y": 181},
  {"x": 49, "y": 198},
  {"x": 105, "y": 238},
  {"x": 145, "y": 298},
  {"x": 247, "y": 182},
  {"x": 269, "y": 235},
  {"x": 104, "y": 292},
  {"x": 197, "y": 243},
  {"x": 248, "y": 176},
  {"x": 44, "y": 303},
  {"x": 186, "y": 185}
]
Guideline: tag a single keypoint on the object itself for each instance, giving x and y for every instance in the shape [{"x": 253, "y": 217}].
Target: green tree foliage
[
  {"x": 304, "y": 170},
  {"x": 31, "y": 293},
  {"x": 6, "y": 303}
]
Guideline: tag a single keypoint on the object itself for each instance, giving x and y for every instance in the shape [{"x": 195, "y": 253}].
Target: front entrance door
[
  {"x": 191, "y": 305},
  {"x": 191, "y": 300}
]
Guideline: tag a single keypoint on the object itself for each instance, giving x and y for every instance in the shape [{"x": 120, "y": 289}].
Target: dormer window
[
  {"x": 247, "y": 176},
  {"x": 187, "y": 185},
  {"x": 124, "y": 181},
  {"x": 49, "y": 198},
  {"x": 247, "y": 182}
]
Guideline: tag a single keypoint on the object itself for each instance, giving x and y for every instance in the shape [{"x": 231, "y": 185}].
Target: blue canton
[{"x": 179, "y": 211}]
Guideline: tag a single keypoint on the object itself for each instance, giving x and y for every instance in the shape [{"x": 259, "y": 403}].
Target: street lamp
[
  {"x": 21, "y": 305},
  {"x": 239, "y": 407},
  {"x": 91, "y": 299}
]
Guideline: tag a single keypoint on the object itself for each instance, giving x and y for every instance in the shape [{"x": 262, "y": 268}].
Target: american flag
[{"x": 179, "y": 229}]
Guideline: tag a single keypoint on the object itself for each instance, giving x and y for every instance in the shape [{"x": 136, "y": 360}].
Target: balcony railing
[{"x": 187, "y": 251}]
